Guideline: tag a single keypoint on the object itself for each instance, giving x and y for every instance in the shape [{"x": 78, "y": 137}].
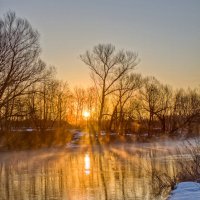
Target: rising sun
[{"x": 86, "y": 114}]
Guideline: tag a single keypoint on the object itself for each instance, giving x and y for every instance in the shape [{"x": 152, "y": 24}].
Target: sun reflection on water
[{"x": 87, "y": 164}]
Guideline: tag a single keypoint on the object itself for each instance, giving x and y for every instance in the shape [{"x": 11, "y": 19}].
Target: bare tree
[
  {"x": 92, "y": 102},
  {"x": 107, "y": 66},
  {"x": 155, "y": 98},
  {"x": 79, "y": 100},
  {"x": 186, "y": 109},
  {"x": 126, "y": 88},
  {"x": 149, "y": 99},
  {"x": 20, "y": 66},
  {"x": 165, "y": 105}
]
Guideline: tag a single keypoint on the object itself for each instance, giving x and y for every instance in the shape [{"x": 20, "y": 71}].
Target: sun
[{"x": 86, "y": 114}]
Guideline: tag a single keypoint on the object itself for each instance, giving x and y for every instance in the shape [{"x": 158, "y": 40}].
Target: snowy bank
[{"x": 186, "y": 190}]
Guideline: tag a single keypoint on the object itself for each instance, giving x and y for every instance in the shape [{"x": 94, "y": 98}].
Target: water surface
[{"x": 112, "y": 172}]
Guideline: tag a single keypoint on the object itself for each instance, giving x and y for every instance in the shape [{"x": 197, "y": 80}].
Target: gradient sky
[{"x": 165, "y": 34}]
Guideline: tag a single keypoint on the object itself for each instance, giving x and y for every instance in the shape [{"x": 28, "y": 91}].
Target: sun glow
[{"x": 86, "y": 114}]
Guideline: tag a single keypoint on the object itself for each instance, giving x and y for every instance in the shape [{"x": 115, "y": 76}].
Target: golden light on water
[
  {"x": 87, "y": 164},
  {"x": 86, "y": 114}
]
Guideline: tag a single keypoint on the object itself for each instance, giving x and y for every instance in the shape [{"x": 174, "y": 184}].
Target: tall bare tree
[
  {"x": 20, "y": 66},
  {"x": 107, "y": 66}
]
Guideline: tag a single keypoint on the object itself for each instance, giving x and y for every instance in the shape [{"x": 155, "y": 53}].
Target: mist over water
[{"x": 112, "y": 172}]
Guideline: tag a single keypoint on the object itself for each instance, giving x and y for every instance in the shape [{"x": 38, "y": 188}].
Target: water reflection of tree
[{"x": 114, "y": 174}]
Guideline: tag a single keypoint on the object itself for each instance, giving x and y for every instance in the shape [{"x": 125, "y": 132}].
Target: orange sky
[{"x": 164, "y": 33}]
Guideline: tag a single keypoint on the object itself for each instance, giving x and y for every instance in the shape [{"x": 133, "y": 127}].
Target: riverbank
[
  {"x": 60, "y": 138},
  {"x": 33, "y": 140}
]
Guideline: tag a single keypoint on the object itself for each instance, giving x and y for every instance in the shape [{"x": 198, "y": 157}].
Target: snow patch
[{"x": 185, "y": 191}]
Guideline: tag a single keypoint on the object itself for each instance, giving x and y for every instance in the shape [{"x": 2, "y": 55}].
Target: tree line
[{"x": 120, "y": 100}]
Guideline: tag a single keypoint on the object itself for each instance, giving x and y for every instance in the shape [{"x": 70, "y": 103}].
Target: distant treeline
[{"x": 31, "y": 97}]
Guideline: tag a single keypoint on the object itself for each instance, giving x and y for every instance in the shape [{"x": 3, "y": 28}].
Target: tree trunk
[
  {"x": 150, "y": 124},
  {"x": 101, "y": 113}
]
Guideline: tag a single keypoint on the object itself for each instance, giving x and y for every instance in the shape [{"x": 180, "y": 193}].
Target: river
[{"x": 116, "y": 172}]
